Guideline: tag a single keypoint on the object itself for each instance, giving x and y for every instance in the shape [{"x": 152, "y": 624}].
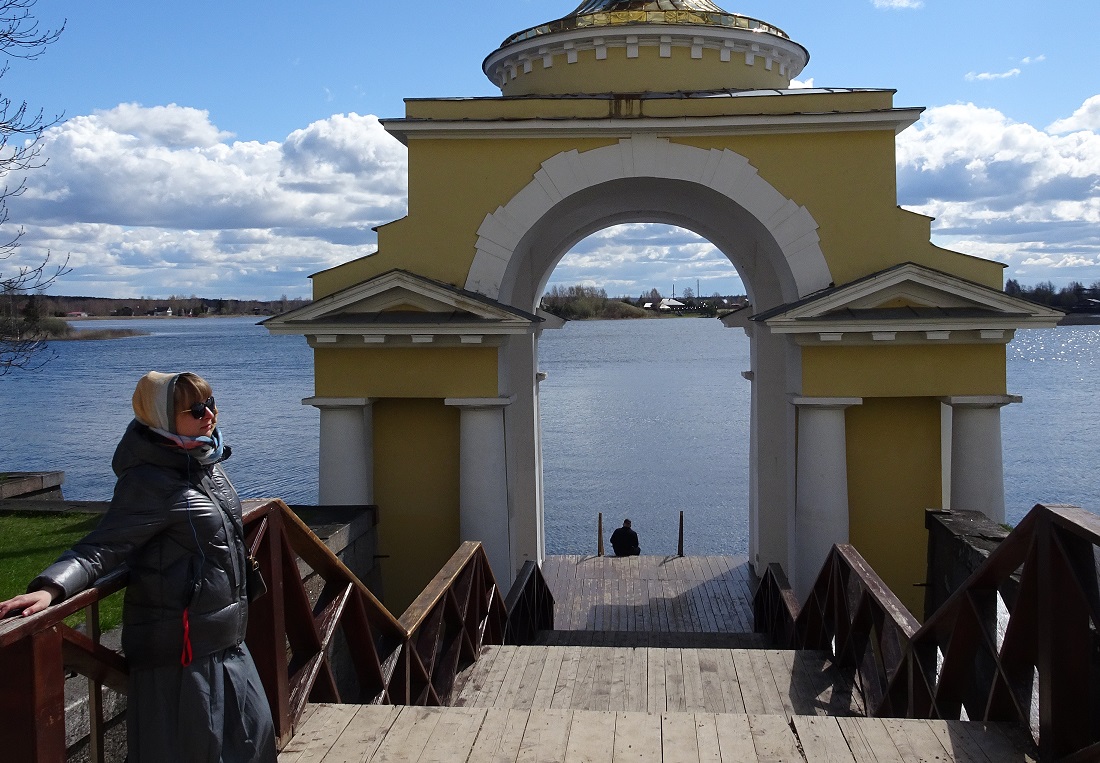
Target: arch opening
[{"x": 644, "y": 418}]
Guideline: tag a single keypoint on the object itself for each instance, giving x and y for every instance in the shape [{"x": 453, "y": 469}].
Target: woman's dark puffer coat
[{"x": 181, "y": 548}]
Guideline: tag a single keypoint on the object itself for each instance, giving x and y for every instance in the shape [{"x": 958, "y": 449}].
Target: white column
[
  {"x": 821, "y": 500},
  {"x": 977, "y": 468},
  {"x": 483, "y": 481},
  {"x": 346, "y": 464}
]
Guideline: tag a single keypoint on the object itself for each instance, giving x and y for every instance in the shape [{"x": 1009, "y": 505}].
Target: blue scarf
[{"x": 205, "y": 450}]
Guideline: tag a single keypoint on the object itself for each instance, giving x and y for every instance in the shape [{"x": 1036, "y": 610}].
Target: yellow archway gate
[{"x": 878, "y": 359}]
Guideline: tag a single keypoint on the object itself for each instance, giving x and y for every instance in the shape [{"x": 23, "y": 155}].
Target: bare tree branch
[{"x": 21, "y": 343}]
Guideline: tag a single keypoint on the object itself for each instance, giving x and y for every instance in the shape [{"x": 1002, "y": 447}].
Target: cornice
[{"x": 894, "y": 120}]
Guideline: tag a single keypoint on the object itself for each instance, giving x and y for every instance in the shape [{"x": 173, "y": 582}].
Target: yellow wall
[
  {"x": 416, "y": 473},
  {"x": 893, "y": 476},
  {"x": 904, "y": 370},
  {"x": 406, "y": 372},
  {"x": 845, "y": 179}
]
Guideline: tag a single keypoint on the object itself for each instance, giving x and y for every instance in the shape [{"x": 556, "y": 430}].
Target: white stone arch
[
  {"x": 794, "y": 230},
  {"x": 770, "y": 239}
]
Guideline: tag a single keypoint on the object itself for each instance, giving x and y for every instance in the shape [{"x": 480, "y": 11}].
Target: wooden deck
[
  {"x": 754, "y": 681},
  {"x": 651, "y": 594},
  {"x": 366, "y": 733}
]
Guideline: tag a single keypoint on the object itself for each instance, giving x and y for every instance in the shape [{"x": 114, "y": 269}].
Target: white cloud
[
  {"x": 987, "y": 76},
  {"x": 160, "y": 196},
  {"x": 1085, "y": 118},
  {"x": 799, "y": 85},
  {"x": 1006, "y": 190},
  {"x": 895, "y": 4}
]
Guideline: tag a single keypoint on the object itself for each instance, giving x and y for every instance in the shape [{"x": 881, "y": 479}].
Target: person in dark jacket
[
  {"x": 175, "y": 521},
  {"x": 625, "y": 541}
]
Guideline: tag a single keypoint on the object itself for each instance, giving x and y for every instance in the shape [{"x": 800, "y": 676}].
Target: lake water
[{"x": 640, "y": 419}]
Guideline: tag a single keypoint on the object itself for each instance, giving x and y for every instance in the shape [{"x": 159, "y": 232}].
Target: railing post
[
  {"x": 599, "y": 534},
  {"x": 680, "y": 542},
  {"x": 32, "y": 702}
]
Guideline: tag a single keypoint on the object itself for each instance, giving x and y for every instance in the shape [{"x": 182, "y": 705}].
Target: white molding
[
  {"x": 790, "y": 56},
  {"x": 646, "y": 155}
]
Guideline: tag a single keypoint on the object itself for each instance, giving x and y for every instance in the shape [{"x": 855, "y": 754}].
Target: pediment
[
  {"x": 400, "y": 304},
  {"x": 909, "y": 300}
]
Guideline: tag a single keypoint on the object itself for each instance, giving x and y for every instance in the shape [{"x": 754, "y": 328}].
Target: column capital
[
  {"x": 477, "y": 403},
  {"x": 981, "y": 401},
  {"x": 826, "y": 402},
  {"x": 338, "y": 402}
]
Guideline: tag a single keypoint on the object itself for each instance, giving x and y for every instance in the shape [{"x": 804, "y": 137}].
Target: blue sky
[{"x": 231, "y": 149}]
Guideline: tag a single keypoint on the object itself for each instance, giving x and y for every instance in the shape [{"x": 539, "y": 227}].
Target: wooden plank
[
  {"x": 679, "y": 742},
  {"x": 706, "y": 733},
  {"x": 822, "y": 740},
  {"x": 915, "y": 740},
  {"x": 751, "y": 694},
  {"x": 961, "y": 744},
  {"x": 637, "y": 683},
  {"x": 781, "y": 669},
  {"x": 453, "y": 737},
  {"x": 775, "y": 702},
  {"x": 544, "y": 692},
  {"x": 773, "y": 739},
  {"x": 869, "y": 741},
  {"x": 363, "y": 735},
  {"x": 591, "y": 738},
  {"x": 599, "y": 697},
  {"x": 735, "y": 738},
  {"x": 731, "y": 686},
  {"x": 694, "y": 700},
  {"x": 314, "y": 737},
  {"x": 499, "y": 737},
  {"x": 490, "y": 686},
  {"x": 524, "y": 695},
  {"x": 566, "y": 682},
  {"x": 474, "y": 678},
  {"x": 617, "y": 696},
  {"x": 637, "y": 738},
  {"x": 675, "y": 700},
  {"x": 409, "y": 734},
  {"x": 1003, "y": 742},
  {"x": 656, "y": 696},
  {"x": 710, "y": 680},
  {"x": 546, "y": 737}
]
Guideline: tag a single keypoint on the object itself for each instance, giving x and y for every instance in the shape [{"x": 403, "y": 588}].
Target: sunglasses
[{"x": 198, "y": 410}]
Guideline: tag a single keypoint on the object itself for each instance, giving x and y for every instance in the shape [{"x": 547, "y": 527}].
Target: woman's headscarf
[{"x": 154, "y": 406}]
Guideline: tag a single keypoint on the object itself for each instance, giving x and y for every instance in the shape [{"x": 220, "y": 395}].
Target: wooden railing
[
  {"x": 290, "y": 635},
  {"x": 1017, "y": 642},
  {"x": 530, "y": 606},
  {"x": 460, "y": 610}
]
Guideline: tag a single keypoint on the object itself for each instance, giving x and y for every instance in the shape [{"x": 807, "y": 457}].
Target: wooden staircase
[{"x": 641, "y": 672}]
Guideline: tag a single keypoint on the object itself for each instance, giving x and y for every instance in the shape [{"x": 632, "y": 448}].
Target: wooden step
[
  {"x": 651, "y": 638},
  {"x": 368, "y": 733},
  {"x": 656, "y": 680}
]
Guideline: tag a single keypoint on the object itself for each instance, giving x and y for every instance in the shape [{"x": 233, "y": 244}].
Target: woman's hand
[{"x": 31, "y": 603}]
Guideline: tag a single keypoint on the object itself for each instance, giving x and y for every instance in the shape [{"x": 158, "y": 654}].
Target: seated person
[{"x": 625, "y": 541}]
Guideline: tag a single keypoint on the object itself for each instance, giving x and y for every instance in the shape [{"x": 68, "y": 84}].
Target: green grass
[{"x": 31, "y": 541}]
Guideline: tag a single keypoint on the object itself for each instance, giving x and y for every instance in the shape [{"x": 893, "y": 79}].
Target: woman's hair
[{"x": 189, "y": 389}]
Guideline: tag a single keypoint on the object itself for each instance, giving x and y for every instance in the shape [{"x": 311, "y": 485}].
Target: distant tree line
[
  {"x": 28, "y": 309},
  {"x": 587, "y": 303},
  {"x": 1074, "y": 298}
]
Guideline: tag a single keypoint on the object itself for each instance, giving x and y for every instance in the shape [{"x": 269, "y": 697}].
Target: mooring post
[
  {"x": 680, "y": 543},
  {"x": 599, "y": 534}
]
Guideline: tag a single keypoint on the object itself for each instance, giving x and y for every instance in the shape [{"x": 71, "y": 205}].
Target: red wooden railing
[
  {"x": 1017, "y": 642},
  {"x": 290, "y": 634}
]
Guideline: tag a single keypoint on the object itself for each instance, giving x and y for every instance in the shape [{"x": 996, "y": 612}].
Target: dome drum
[{"x": 637, "y": 57}]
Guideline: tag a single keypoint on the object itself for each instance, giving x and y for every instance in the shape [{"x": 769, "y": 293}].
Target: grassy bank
[{"x": 31, "y": 541}]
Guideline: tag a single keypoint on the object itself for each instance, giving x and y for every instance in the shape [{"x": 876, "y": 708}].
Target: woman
[{"x": 175, "y": 520}]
